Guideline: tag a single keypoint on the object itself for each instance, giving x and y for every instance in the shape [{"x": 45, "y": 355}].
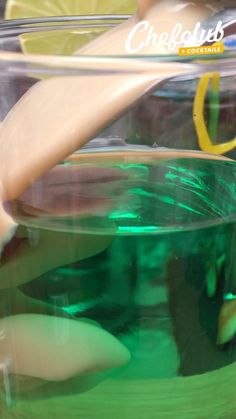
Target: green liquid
[{"x": 160, "y": 284}]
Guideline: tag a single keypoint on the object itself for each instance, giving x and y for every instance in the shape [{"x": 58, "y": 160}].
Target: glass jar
[{"x": 117, "y": 285}]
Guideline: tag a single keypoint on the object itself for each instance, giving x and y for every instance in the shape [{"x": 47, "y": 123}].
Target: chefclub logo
[
  {"x": 200, "y": 41},
  {"x": 217, "y": 48}
]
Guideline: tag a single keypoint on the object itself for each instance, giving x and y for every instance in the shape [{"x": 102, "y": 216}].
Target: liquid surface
[{"x": 153, "y": 197}]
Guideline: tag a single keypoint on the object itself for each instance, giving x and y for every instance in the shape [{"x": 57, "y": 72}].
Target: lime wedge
[
  {"x": 68, "y": 41},
  {"x": 61, "y": 42},
  {"x": 16, "y": 9}
]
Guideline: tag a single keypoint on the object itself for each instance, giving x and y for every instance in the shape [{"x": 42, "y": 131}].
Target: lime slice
[
  {"x": 63, "y": 42},
  {"x": 68, "y": 41}
]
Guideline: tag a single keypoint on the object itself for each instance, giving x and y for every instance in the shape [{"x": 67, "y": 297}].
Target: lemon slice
[{"x": 68, "y": 41}]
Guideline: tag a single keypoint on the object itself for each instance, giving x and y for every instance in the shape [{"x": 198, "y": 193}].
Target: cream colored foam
[
  {"x": 144, "y": 6},
  {"x": 55, "y": 349},
  {"x": 54, "y": 249},
  {"x": 58, "y": 115},
  {"x": 7, "y": 224},
  {"x": 163, "y": 16}
]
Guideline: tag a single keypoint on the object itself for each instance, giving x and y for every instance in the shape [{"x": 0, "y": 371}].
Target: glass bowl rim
[{"x": 115, "y": 63}]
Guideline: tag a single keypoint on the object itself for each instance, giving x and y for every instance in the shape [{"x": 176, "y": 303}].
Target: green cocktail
[{"x": 156, "y": 272}]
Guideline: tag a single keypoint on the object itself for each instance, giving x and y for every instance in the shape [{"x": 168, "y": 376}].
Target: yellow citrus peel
[{"x": 205, "y": 141}]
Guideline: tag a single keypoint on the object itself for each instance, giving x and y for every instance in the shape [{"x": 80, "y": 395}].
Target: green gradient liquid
[{"x": 160, "y": 284}]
